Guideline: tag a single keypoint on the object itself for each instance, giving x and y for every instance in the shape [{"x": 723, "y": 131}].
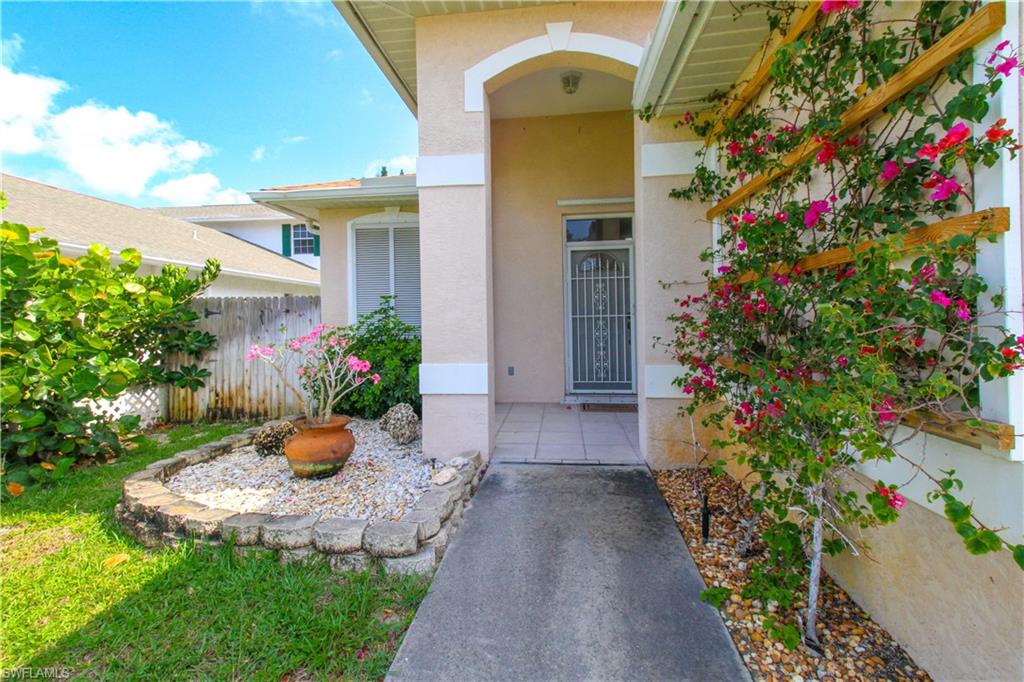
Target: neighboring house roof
[
  {"x": 222, "y": 212},
  {"x": 77, "y": 220},
  {"x": 708, "y": 43},
  {"x": 307, "y": 200},
  {"x": 388, "y": 31}
]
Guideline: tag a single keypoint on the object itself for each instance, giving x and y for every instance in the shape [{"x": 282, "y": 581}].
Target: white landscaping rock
[
  {"x": 380, "y": 481},
  {"x": 445, "y": 475}
]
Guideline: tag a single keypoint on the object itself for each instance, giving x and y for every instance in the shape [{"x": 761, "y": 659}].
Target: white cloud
[
  {"x": 198, "y": 188},
  {"x": 335, "y": 54},
  {"x": 111, "y": 150},
  {"x": 10, "y": 49},
  {"x": 294, "y": 139},
  {"x": 25, "y": 109},
  {"x": 316, "y": 12},
  {"x": 118, "y": 151},
  {"x": 396, "y": 165},
  {"x": 365, "y": 98},
  {"x": 258, "y": 153}
]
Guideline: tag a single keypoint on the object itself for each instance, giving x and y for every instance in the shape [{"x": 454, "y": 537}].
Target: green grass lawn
[{"x": 187, "y": 613}]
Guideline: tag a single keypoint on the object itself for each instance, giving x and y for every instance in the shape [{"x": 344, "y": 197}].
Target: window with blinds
[{"x": 387, "y": 263}]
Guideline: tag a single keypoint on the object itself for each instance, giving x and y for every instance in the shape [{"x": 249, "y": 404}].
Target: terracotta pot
[{"x": 319, "y": 450}]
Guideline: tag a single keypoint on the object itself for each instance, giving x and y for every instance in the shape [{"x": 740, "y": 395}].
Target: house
[
  {"x": 260, "y": 225},
  {"x": 544, "y": 230},
  {"x": 77, "y": 220}
]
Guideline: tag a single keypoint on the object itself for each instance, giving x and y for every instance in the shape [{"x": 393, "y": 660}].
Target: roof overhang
[
  {"x": 699, "y": 49},
  {"x": 395, "y": 190},
  {"x": 387, "y": 29}
]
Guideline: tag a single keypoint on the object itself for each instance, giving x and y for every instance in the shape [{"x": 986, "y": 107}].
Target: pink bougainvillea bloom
[
  {"x": 842, "y": 361},
  {"x": 946, "y": 188},
  {"x": 890, "y": 169},
  {"x": 810, "y": 218},
  {"x": 734, "y": 148},
  {"x": 995, "y": 52},
  {"x": 1007, "y": 66},
  {"x": 997, "y": 131},
  {"x": 962, "y": 310},
  {"x": 927, "y": 272},
  {"x": 928, "y": 151},
  {"x": 896, "y": 501},
  {"x": 830, "y": 6},
  {"x": 954, "y": 136},
  {"x": 749, "y": 218},
  {"x": 724, "y": 269},
  {"x": 741, "y": 176},
  {"x": 781, "y": 280},
  {"x": 828, "y": 150},
  {"x": 782, "y": 216},
  {"x": 939, "y": 298},
  {"x": 375, "y": 378},
  {"x": 741, "y": 245},
  {"x": 885, "y": 411}
]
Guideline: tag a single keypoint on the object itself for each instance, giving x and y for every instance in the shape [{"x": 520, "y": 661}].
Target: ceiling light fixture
[{"x": 571, "y": 81}]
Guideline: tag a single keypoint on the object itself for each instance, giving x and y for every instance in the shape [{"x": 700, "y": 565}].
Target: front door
[{"x": 599, "y": 305}]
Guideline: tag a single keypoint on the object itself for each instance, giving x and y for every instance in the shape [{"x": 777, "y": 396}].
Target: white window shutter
[
  {"x": 407, "y": 274},
  {"x": 373, "y": 268}
]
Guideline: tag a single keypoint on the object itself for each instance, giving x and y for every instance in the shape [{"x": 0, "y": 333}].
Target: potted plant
[{"x": 326, "y": 373}]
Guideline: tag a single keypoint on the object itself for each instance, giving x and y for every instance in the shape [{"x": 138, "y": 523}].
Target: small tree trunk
[
  {"x": 814, "y": 580},
  {"x": 749, "y": 525}
]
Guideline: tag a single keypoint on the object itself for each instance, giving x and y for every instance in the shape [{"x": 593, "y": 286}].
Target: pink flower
[
  {"x": 954, "y": 136},
  {"x": 885, "y": 411},
  {"x": 895, "y": 500},
  {"x": 929, "y": 151},
  {"x": 995, "y": 53},
  {"x": 782, "y": 216},
  {"x": 295, "y": 344},
  {"x": 842, "y": 361},
  {"x": 257, "y": 351},
  {"x": 946, "y": 188},
  {"x": 830, "y": 6},
  {"x": 301, "y": 371},
  {"x": 890, "y": 169},
  {"x": 724, "y": 269},
  {"x": 734, "y": 148},
  {"x": 781, "y": 280},
  {"x": 1007, "y": 66},
  {"x": 749, "y": 218},
  {"x": 741, "y": 245},
  {"x": 962, "y": 310},
  {"x": 375, "y": 378},
  {"x": 939, "y": 298},
  {"x": 927, "y": 272},
  {"x": 813, "y": 214}
]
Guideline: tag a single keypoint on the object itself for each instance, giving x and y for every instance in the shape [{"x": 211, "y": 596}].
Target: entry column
[{"x": 456, "y": 377}]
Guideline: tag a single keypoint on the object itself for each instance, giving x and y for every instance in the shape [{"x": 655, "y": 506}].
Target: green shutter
[
  {"x": 316, "y": 245},
  {"x": 286, "y": 240}
]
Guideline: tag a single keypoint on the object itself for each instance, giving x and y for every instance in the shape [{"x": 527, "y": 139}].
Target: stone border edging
[{"x": 157, "y": 517}]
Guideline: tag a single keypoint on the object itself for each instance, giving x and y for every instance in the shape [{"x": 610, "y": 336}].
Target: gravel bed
[
  {"x": 380, "y": 481},
  {"x": 856, "y": 647}
]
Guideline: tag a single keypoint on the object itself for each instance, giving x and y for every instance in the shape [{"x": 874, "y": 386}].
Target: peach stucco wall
[
  {"x": 534, "y": 163},
  {"x": 334, "y": 270}
]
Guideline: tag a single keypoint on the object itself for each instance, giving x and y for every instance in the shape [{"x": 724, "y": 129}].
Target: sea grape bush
[
  {"x": 393, "y": 346},
  {"x": 809, "y": 372},
  {"x": 74, "y": 330}
]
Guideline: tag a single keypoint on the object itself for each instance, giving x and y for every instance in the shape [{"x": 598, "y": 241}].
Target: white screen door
[{"x": 599, "y": 310}]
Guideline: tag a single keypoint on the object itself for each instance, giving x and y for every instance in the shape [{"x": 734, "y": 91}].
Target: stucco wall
[{"x": 534, "y": 163}]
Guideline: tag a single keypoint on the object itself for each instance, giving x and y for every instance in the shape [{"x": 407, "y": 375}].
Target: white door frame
[{"x": 568, "y": 248}]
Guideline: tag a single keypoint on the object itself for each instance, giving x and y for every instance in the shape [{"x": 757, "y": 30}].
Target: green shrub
[
  {"x": 393, "y": 349},
  {"x": 79, "y": 329}
]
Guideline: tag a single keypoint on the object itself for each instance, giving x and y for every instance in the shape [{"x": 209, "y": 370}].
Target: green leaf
[
  {"x": 1018, "y": 555},
  {"x": 716, "y": 596},
  {"x": 26, "y": 331}
]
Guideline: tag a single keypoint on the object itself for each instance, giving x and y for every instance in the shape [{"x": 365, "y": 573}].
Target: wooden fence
[{"x": 237, "y": 389}]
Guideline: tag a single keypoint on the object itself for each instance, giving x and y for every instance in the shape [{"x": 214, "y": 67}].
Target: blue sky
[{"x": 192, "y": 102}]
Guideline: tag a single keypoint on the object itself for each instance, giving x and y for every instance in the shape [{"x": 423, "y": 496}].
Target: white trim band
[
  {"x": 658, "y": 381},
  {"x": 595, "y": 202},
  {"x": 669, "y": 158},
  {"x": 450, "y": 170},
  {"x": 559, "y": 37},
  {"x": 450, "y": 378}
]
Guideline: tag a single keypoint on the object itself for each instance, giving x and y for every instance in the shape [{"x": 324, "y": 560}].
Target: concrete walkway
[{"x": 564, "y": 572}]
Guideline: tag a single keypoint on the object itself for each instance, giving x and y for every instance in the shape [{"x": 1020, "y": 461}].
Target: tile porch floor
[{"x": 552, "y": 433}]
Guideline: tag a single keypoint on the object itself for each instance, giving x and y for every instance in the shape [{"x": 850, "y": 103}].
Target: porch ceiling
[
  {"x": 388, "y": 31},
  {"x": 697, "y": 51}
]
